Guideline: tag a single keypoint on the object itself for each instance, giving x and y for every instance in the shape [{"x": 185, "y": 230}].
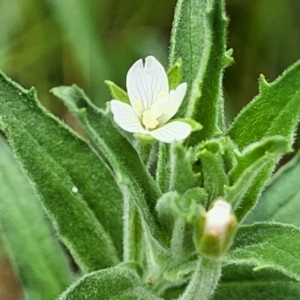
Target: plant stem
[
  {"x": 144, "y": 149},
  {"x": 131, "y": 228},
  {"x": 204, "y": 281},
  {"x": 162, "y": 175}
]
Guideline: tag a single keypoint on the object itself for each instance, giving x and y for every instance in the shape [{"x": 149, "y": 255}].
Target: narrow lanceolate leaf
[
  {"x": 75, "y": 186},
  {"x": 268, "y": 245},
  {"x": 214, "y": 176},
  {"x": 182, "y": 176},
  {"x": 35, "y": 253},
  {"x": 114, "y": 283},
  {"x": 275, "y": 111},
  {"x": 272, "y": 144},
  {"x": 198, "y": 37},
  {"x": 124, "y": 159},
  {"x": 241, "y": 282},
  {"x": 250, "y": 164},
  {"x": 281, "y": 199}
]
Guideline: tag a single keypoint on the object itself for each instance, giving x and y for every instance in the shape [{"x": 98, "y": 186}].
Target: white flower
[{"x": 152, "y": 103}]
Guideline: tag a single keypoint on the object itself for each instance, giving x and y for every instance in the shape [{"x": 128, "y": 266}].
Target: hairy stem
[{"x": 204, "y": 281}]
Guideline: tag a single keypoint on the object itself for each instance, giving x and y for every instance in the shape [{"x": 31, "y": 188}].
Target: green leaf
[
  {"x": 268, "y": 245},
  {"x": 116, "y": 92},
  {"x": 200, "y": 28},
  {"x": 76, "y": 187},
  {"x": 281, "y": 198},
  {"x": 250, "y": 163},
  {"x": 106, "y": 139},
  {"x": 30, "y": 243},
  {"x": 172, "y": 206},
  {"x": 275, "y": 111},
  {"x": 252, "y": 153},
  {"x": 182, "y": 176},
  {"x": 114, "y": 283},
  {"x": 177, "y": 214},
  {"x": 174, "y": 74},
  {"x": 240, "y": 281},
  {"x": 163, "y": 167},
  {"x": 214, "y": 175}
]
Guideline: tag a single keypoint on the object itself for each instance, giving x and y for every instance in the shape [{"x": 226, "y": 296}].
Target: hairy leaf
[
  {"x": 281, "y": 199},
  {"x": 30, "y": 243},
  {"x": 242, "y": 282},
  {"x": 198, "y": 38},
  {"x": 182, "y": 176},
  {"x": 275, "y": 111},
  {"x": 114, "y": 283},
  {"x": 268, "y": 245},
  {"x": 250, "y": 164},
  {"x": 214, "y": 175},
  {"x": 106, "y": 139},
  {"x": 76, "y": 187}
]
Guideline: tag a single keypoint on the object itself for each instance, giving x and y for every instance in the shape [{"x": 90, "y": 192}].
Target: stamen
[{"x": 148, "y": 121}]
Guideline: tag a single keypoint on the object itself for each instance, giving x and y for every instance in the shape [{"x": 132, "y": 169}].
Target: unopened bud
[{"x": 216, "y": 229}]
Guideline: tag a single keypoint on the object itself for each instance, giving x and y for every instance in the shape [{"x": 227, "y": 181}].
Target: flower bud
[{"x": 215, "y": 230}]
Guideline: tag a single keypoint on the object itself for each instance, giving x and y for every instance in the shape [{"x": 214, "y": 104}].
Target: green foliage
[
  {"x": 199, "y": 27},
  {"x": 240, "y": 281},
  {"x": 174, "y": 74},
  {"x": 275, "y": 111},
  {"x": 268, "y": 245},
  {"x": 214, "y": 176},
  {"x": 116, "y": 92},
  {"x": 182, "y": 176},
  {"x": 113, "y": 283},
  {"x": 119, "y": 152},
  {"x": 74, "y": 194},
  {"x": 281, "y": 197},
  {"x": 250, "y": 163},
  {"x": 133, "y": 212},
  {"x": 30, "y": 243}
]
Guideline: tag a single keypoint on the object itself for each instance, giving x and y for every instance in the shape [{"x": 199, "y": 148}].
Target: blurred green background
[{"x": 46, "y": 43}]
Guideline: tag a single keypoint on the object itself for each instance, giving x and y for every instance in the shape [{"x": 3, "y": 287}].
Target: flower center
[{"x": 148, "y": 120}]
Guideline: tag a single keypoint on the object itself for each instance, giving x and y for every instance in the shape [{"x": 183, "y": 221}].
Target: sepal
[
  {"x": 174, "y": 74},
  {"x": 194, "y": 125},
  {"x": 214, "y": 230},
  {"x": 117, "y": 92}
]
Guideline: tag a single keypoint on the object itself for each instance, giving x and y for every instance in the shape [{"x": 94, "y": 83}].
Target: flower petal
[
  {"x": 175, "y": 99},
  {"x": 159, "y": 106},
  {"x": 125, "y": 117},
  {"x": 173, "y": 131},
  {"x": 146, "y": 83}
]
